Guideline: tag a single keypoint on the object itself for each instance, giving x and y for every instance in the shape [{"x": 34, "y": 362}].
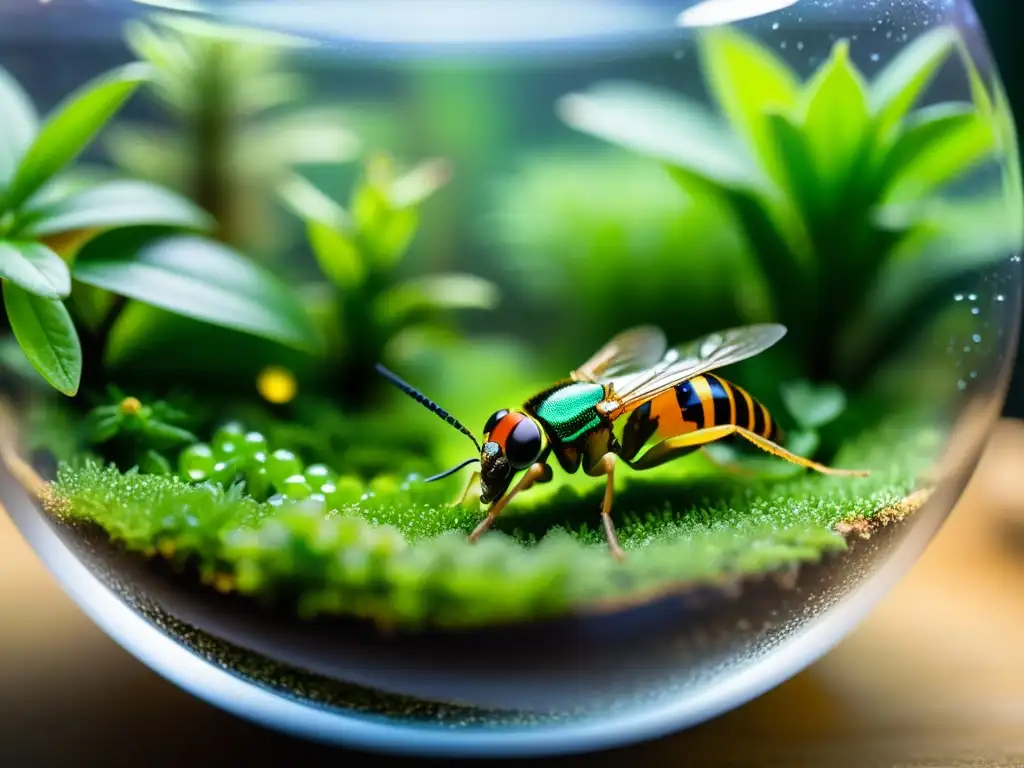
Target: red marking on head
[{"x": 504, "y": 428}]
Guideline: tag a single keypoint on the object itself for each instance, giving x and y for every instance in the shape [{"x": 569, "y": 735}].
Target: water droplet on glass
[
  {"x": 961, "y": 384},
  {"x": 972, "y": 297},
  {"x": 1000, "y": 297},
  {"x": 976, "y": 338},
  {"x": 875, "y": 57},
  {"x": 975, "y": 311},
  {"x": 775, "y": 25},
  {"x": 800, "y": 46},
  {"x": 958, "y": 297}
]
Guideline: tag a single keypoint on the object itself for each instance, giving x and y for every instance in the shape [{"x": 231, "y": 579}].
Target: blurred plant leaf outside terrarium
[
  {"x": 839, "y": 186},
  {"x": 239, "y": 127}
]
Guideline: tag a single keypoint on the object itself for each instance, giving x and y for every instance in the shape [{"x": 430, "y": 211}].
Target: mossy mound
[{"x": 400, "y": 557}]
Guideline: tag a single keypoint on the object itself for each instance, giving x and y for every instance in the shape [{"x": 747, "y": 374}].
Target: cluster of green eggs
[{"x": 235, "y": 453}]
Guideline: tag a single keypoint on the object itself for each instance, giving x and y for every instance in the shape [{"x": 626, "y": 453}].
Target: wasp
[{"x": 633, "y": 394}]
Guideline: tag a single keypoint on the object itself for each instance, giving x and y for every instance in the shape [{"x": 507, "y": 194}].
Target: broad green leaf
[
  {"x": 662, "y": 126},
  {"x": 898, "y": 86},
  {"x": 836, "y": 119},
  {"x": 941, "y": 143},
  {"x": 337, "y": 255},
  {"x": 436, "y": 293},
  {"x": 35, "y": 268},
  {"x": 198, "y": 278},
  {"x": 18, "y": 125},
  {"x": 813, "y": 405},
  {"x": 748, "y": 81},
  {"x": 71, "y": 128},
  {"x": 47, "y": 335},
  {"x": 116, "y": 204}
]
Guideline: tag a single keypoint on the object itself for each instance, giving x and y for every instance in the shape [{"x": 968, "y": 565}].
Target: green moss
[{"x": 399, "y": 554}]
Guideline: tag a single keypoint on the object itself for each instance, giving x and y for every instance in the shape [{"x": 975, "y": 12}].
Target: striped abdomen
[{"x": 698, "y": 403}]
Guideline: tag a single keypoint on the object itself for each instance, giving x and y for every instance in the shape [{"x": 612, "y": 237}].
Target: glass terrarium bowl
[{"x": 232, "y": 212}]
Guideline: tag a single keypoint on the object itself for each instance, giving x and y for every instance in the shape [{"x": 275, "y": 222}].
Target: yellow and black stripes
[{"x": 702, "y": 402}]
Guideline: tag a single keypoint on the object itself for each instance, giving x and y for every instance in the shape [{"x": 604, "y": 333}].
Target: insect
[{"x": 633, "y": 394}]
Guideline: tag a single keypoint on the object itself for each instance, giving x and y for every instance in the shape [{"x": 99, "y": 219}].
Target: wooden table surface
[{"x": 935, "y": 676}]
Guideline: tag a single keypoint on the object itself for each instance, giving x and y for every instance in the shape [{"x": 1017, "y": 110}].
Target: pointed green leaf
[
  {"x": 168, "y": 433},
  {"x": 748, "y": 81},
  {"x": 148, "y": 152},
  {"x": 71, "y": 128},
  {"x": 836, "y": 119},
  {"x": 937, "y": 145},
  {"x": 899, "y": 85},
  {"x": 197, "y": 278},
  {"x": 47, "y": 336},
  {"x": 337, "y": 255},
  {"x": 797, "y": 172},
  {"x": 436, "y": 292},
  {"x": 116, "y": 204},
  {"x": 420, "y": 183},
  {"x": 307, "y": 202},
  {"x": 18, "y": 125},
  {"x": 813, "y": 405},
  {"x": 35, "y": 268},
  {"x": 661, "y": 125}
]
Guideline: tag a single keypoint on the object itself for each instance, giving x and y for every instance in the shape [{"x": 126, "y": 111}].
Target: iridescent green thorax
[{"x": 570, "y": 410}]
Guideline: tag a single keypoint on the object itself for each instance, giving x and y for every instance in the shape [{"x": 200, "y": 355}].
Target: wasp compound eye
[
  {"x": 492, "y": 422},
  {"x": 524, "y": 444}
]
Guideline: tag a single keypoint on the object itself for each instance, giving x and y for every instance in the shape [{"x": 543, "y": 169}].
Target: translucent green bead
[
  {"x": 347, "y": 490},
  {"x": 253, "y": 443},
  {"x": 282, "y": 465},
  {"x": 296, "y": 488},
  {"x": 319, "y": 474},
  {"x": 231, "y": 433},
  {"x": 197, "y": 462}
]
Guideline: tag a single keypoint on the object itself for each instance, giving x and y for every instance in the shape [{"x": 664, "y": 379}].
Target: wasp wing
[
  {"x": 685, "y": 361},
  {"x": 631, "y": 351}
]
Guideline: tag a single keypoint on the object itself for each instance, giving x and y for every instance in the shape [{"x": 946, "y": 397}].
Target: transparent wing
[
  {"x": 631, "y": 351},
  {"x": 688, "y": 360}
]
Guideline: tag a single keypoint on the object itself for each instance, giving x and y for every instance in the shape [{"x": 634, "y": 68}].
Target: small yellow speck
[
  {"x": 130, "y": 406},
  {"x": 166, "y": 548},
  {"x": 277, "y": 385},
  {"x": 224, "y": 582}
]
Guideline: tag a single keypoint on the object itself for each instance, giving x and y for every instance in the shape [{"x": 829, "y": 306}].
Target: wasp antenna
[
  {"x": 453, "y": 470},
  {"x": 426, "y": 402}
]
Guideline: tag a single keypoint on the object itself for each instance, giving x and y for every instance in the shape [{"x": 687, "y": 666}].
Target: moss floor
[{"x": 400, "y": 556}]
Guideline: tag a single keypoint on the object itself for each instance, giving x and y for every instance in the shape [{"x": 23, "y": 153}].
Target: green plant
[
  {"x": 127, "y": 427},
  {"x": 239, "y": 129},
  {"x": 97, "y": 243},
  {"x": 843, "y": 191},
  {"x": 367, "y": 308}
]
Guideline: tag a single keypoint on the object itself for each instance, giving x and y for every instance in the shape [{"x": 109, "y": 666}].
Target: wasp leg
[
  {"x": 538, "y": 473},
  {"x": 606, "y": 467},
  {"x": 678, "y": 446},
  {"x": 471, "y": 487}
]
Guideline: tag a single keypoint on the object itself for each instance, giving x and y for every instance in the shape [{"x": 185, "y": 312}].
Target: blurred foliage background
[{"x": 544, "y": 241}]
